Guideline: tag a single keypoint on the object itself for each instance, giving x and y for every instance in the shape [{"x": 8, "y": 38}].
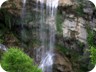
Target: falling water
[
  {"x": 47, "y": 23},
  {"x": 23, "y": 14},
  {"x": 47, "y": 30},
  {"x": 23, "y": 11},
  {"x": 24, "y": 2}
]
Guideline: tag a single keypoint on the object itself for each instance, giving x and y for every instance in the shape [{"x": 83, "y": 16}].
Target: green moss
[
  {"x": 79, "y": 10},
  {"x": 14, "y": 60},
  {"x": 13, "y": 5},
  {"x": 59, "y": 21},
  {"x": 61, "y": 48}
]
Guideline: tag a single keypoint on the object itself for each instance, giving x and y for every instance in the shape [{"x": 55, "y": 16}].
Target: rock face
[
  {"x": 61, "y": 63},
  {"x": 71, "y": 44},
  {"x": 13, "y": 7},
  {"x": 75, "y": 28},
  {"x": 66, "y": 2},
  {"x": 75, "y": 22}
]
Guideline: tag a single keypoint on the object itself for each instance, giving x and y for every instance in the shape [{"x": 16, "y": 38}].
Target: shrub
[
  {"x": 92, "y": 44},
  {"x": 90, "y": 38},
  {"x": 14, "y": 60},
  {"x": 93, "y": 55}
]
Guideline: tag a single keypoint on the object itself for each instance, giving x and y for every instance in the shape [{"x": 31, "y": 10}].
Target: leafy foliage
[
  {"x": 93, "y": 55},
  {"x": 92, "y": 44},
  {"x": 14, "y": 60},
  {"x": 90, "y": 39}
]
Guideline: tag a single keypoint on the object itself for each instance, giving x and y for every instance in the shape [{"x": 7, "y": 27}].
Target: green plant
[
  {"x": 92, "y": 44},
  {"x": 61, "y": 48},
  {"x": 79, "y": 10},
  {"x": 90, "y": 39},
  {"x": 93, "y": 55},
  {"x": 14, "y": 60},
  {"x": 59, "y": 21},
  {"x": 91, "y": 36}
]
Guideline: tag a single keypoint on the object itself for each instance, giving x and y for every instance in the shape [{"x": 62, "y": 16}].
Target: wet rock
[
  {"x": 61, "y": 63},
  {"x": 88, "y": 7},
  {"x": 2, "y": 50},
  {"x": 2, "y": 47}
]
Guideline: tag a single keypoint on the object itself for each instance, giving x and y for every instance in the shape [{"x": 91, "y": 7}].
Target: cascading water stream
[
  {"x": 23, "y": 13},
  {"x": 47, "y": 29},
  {"x": 23, "y": 9},
  {"x": 47, "y": 39}
]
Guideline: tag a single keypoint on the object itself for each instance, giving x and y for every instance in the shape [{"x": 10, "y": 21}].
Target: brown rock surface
[{"x": 62, "y": 63}]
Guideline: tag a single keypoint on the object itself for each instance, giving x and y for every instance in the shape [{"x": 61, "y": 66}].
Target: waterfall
[
  {"x": 24, "y": 2},
  {"x": 23, "y": 14},
  {"x": 45, "y": 18},
  {"x": 23, "y": 9},
  {"x": 47, "y": 31}
]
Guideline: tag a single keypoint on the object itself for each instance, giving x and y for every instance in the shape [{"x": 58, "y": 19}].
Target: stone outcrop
[
  {"x": 66, "y": 2},
  {"x": 75, "y": 28},
  {"x": 61, "y": 63},
  {"x": 76, "y": 20},
  {"x": 13, "y": 7}
]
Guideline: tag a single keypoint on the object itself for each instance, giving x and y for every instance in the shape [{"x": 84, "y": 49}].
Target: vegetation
[
  {"x": 4, "y": 24},
  {"x": 92, "y": 44},
  {"x": 62, "y": 49},
  {"x": 79, "y": 10},
  {"x": 90, "y": 39},
  {"x": 59, "y": 21},
  {"x": 14, "y": 60},
  {"x": 93, "y": 55}
]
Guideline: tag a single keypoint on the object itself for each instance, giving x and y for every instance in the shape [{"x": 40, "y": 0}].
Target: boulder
[{"x": 61, "y": 63}]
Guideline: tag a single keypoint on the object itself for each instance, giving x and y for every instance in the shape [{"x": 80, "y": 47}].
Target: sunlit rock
[
  {"x": 61, "y": 64},
  {"x": 65, "y": 2},
  {"x": 75, "y": 29}
]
